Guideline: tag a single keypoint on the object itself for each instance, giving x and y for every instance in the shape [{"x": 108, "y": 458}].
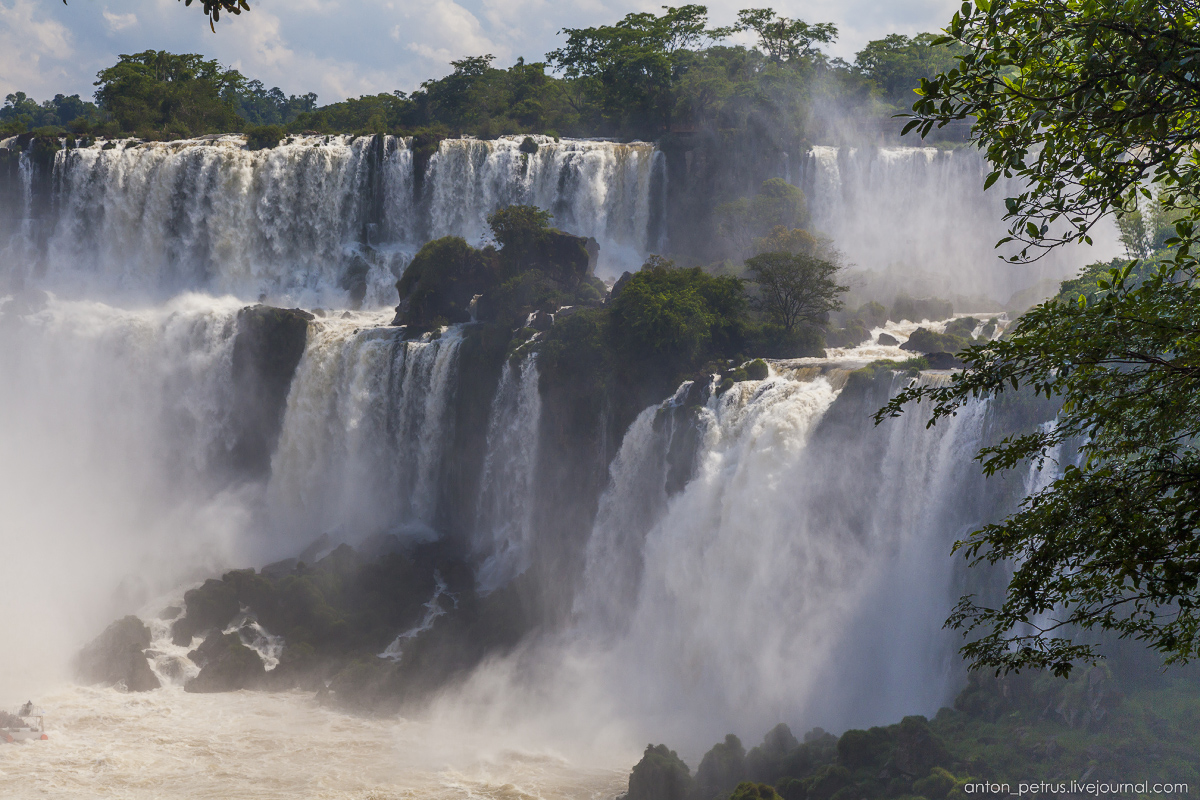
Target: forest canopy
[{"x": 644, "y": 76}]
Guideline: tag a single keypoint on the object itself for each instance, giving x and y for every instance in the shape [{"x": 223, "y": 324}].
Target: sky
[{"x": 346, "y": 48}]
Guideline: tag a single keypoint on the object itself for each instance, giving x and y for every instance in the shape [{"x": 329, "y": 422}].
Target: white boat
[{"x": 28, "y": 723}]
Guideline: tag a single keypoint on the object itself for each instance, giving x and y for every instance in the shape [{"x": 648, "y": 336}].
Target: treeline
[{"x": 644, "y": 76}]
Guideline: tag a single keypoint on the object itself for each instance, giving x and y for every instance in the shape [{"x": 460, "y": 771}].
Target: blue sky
[{"x": 341, "y": 48}]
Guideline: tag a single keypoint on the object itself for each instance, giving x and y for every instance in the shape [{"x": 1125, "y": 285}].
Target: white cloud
[
  {"x": 30, "y": 46},
  {"x": 446, "y": 31},
  {"x": 119, "y": 22}
]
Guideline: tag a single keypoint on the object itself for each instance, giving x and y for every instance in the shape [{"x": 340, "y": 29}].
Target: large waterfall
[
  {"x": 314, "y": 220},
  {"x": 761, "y": 554}
]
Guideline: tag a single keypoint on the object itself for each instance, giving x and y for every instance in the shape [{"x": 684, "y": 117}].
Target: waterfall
[
  {"x": 787, "y": 580},
  {"x": 317, "y": 220},
  {"x": 918, "y": 219},
  {"x": 504, "y": 519},
  {"x": 593, "y": 188},
  {"x": 367, "y": 423}
]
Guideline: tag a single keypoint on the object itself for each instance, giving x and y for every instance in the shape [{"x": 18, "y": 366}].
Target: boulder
[
  {"x": 118, "y": 656},
  {"x": 266, "y": 350},
  {"x": 212, "y": 605},
  {"x": 924, "y": 340},
  {"x": 226, "y": 665},
  {"x": 621, "y": 283},
  {"x": 660, "y": 775},
  {"x": 943, "y": 361},
  {"x": 887, "y": 340}
]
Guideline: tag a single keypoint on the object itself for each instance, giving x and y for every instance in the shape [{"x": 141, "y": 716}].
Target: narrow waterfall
[{"x": 504, "y": 521}]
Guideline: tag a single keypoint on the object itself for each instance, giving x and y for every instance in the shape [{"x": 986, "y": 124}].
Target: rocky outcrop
[
  {"x": 926, "y": 341},
  {"x": 267, "y": 348},
  {"x": 226, "y": 665},
  {"x": 117, "y": 656},
  {"x": 887, "y": 340}
]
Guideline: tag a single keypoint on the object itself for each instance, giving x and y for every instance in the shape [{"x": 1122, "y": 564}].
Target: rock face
[
  {"x": 269, "y": 344},
  {"x": 924, "y": 340},
  {"x": 226, "y": 665},
  {"x": 118, "y": 655},
  {"x": 211, "y": 606}
]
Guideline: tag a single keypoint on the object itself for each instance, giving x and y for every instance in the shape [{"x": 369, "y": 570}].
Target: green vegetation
[
  {"x": 1030, "y": 728},
  {"x": 1114, "y": 543},
  {"x": 645, "y": 76}
]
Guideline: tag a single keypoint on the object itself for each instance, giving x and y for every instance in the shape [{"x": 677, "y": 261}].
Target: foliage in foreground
[{"x": 1093, "y": 105}]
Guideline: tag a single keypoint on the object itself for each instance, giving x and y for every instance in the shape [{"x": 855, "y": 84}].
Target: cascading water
[
  {"x": 364, "y": 433},
  {"x": 770, "y": 588},
  {"x": 599, "y": 189},
  {"x": 916, "y": 217},
  {"x": 316, "y": 220},
  {"x": 504, "y": 520}
]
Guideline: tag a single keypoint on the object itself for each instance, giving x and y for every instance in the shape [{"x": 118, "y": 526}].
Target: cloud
[
  {"x": 119, "y": 22},
  {"x": 339, "y": 48},
  {"x": 30, "y": 46}
]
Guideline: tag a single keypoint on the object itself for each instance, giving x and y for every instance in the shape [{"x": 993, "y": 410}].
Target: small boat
[{"x": 27, "y": 724}]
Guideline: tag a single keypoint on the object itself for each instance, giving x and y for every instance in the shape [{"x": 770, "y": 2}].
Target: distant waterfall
[
  {"x": 307, "y": 221},
  {"x": 920, "y": 214},
  {"x": 790, "y": 579},
  {"x": 600, "y": 189}
]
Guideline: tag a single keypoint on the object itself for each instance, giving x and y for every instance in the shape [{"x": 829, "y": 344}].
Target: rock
[
  {"x": 226, "y": 665},
  {"x": 528, "y": 146},
  {"x": 170, "y": 612},
  {"x": 887, "y": 340},
  {"x": 593, "y": 251},
  {"x": 540, "y": 321},
  {"x": 266, "y": 350},
  {"x": 354, "y": 280},
  {"x": 943, "y": 361},
  {"x": 924, "y": 340},
  {"x": 212, "y": 605},
  {"x": 621, "y": 283},
  {"x": 853, "y": 334},
  {"x": 118, "y": 655},
  {"x": 660, "y": 775}
]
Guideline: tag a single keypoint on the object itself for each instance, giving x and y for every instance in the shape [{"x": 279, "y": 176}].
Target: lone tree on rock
[{"x": 795, "y": 289}]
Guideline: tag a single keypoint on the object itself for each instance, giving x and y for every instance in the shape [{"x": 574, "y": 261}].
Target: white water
[
  {"x": 144, "y": 221},
  {"x": 915, "y": 220},
  {"x": 260, "y": 746},
  {"x": 504, "y": 518},
  {"x": 365, "y": 430}
]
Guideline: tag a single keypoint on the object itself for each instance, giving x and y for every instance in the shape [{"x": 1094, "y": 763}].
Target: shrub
[{"x": 264, "y": 137}]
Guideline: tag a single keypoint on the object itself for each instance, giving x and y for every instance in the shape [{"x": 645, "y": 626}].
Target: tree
[
  {"x": 635, "y": 64},
  {"x": 784, "y": 39},
  {"x": 1091, "y": 105},
  {"x": 164, "y": 93},
  {"x": 795, "y": 288},
  {"x": 896, "y": 64}
]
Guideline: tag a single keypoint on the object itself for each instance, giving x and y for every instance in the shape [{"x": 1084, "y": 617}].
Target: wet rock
[
  {"x": 226, "y": 665},
  {"x": 118, "y": 655},
  {"x": 621, "y": 283},
  {"x": 541, "y": 321},
  {"x": 887, "y": 340},
  {"x": 943, "y": 361},
  {"x": 212, "y": 605}
]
